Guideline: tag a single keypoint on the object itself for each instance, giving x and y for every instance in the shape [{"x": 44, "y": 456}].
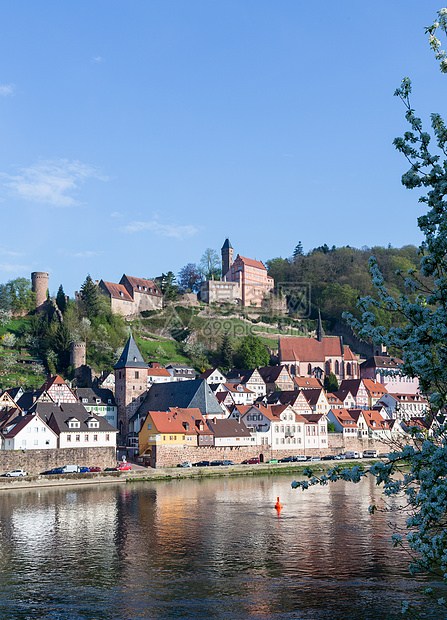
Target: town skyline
[{"x": 136, "y": 135}]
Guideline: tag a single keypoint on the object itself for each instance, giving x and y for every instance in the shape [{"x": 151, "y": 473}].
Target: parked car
[
  {"x": 353, "y": 454},
  {"x": 300, "y": 457},
  {"x": 287, "y": 459},
  {"x": 339, "y": 457},
  {"x": 216, "y": 463},
  {"x": 70, "y": 469},
  {"x": 124, "y": 467},
  {"x": 202, "y": 464},
  {"x": 15, "y": 473},
  {"x": 227, "y": 462},
  {"x": 95, "y": 469},
  {"x": 272, "y": 461},
  {"x": 84, "y": 470},
  {"x": 111, "y": 469},
  {"x": 253, "y": 461},
  {"x": 50, "y": 472},
  {"x": 328, "y": 457},
  {"x": 315, "y": 458},
  {"x": 185, "y": 464}
]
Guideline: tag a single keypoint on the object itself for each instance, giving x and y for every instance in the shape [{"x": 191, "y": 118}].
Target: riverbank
[{"x": 172, "y": 473}]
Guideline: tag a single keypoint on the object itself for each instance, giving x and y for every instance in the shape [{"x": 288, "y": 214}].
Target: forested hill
[{"x": 339, "y": 276}]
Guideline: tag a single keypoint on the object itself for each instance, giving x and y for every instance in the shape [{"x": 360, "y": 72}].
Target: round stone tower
[
  {"x": 77, "y": 354},
  {"x": 39, "y": 282}
]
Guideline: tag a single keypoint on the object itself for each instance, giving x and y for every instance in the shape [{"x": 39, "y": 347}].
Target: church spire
[{"x": 320, "y": 332}]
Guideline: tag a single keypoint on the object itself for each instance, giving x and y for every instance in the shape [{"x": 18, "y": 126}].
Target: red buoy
[{"x": 278, "y": 505}]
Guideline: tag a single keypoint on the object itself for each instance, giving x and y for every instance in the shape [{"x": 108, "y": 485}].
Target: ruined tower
[
  {"x": 39, "y": 283},
  {"x": 77, "y": 355},
  {"x": 227, "y": 257}
]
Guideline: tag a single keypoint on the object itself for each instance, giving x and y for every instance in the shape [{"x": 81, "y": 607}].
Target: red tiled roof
[
  {"x": 307, "y": 382},
  {"x": 165, "y": 422},
  {"x": 250, "y": 262},
  {"x": 348, "y": 355},
  {"x": 117, "y": 291},
  {"x": 374, "y": 387},
  {"x": 158, "y": 372},
  {"x": 309, "y": 349},
  {"x": 345, "y": 418},
  {"x": 143, "y": 284},
  {"x": 233, "y": 387}
]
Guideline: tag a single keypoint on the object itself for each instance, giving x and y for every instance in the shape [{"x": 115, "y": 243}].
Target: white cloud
[
  {"x": 178, "y": 231},
  {"x": 14, "y": 268},
  {"x": 86, "y": 254},
  {"x": 6, "y": 90},
  {"x": 116, "y": 214},
  {"x": 97, "y": 59},
  {"x": 51, "y": 182},
  {"x": 4, "y": 252}
]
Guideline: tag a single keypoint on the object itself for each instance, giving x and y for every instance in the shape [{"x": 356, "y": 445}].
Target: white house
[
  {"x": 241, "y": 394},
  {"x": 404, "y": 406},
  {"x": 28, "y": 432},
  {"x": 213, "y": 375},
  {"x": 77, "y": 428},
  {"x": 230, "y": 432},
  {"x": 100, "y": 402}
]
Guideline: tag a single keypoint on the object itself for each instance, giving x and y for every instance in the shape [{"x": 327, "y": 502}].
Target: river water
[{"x": 202, "y": 549}]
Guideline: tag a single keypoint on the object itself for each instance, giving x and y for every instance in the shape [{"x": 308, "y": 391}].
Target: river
[{"x": 202, "y": 549}]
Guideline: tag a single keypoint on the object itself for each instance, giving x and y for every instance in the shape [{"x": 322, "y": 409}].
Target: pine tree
[
  {"x": 90, "y": 297},
  {"x": 331, "y": 383},
  {"x": 226, "y": 353},
  {"x": 60, "y": 299},
  {"x": 298, "y": 251}
]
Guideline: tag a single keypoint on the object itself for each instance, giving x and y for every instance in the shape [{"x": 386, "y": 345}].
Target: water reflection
[{"x": 201, "y": 549}]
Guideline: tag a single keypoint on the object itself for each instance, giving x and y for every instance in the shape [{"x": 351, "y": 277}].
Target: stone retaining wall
[
  {"x": 37, "y": 461},
  {"x": 172, "y": 455}
]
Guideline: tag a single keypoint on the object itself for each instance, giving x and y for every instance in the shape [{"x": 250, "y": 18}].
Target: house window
[
  {"x": 78, "y": 437},
  {"x": 137, "y": 374},
  {"x": 149, "y": 426},
  {"x": 107, "y": 437},
  {"x": 36, "y": 442},
  {"x": 47, "y": 442},
  {"x": 95, "y": 437},
  {"x": 85, "y": 437}
]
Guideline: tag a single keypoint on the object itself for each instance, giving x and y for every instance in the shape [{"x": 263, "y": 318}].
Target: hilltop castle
[{"x": 244, "y": 281}]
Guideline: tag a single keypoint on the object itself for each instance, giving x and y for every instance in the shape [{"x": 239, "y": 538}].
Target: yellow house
[{"x": 160, "y": 428}]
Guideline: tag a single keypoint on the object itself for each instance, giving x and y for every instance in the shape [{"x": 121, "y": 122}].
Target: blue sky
[{"x": 135, "y": 134}]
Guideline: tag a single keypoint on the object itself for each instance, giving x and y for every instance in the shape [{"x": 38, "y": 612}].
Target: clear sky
[{"x": 137, "y": 133}]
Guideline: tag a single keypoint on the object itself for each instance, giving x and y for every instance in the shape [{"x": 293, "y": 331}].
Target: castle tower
[
  {"x": 227, "y": 257},
  {"x": 39, "y": 283},
  {"x": 77, "y": 355},
  {"x": 130, "y": 384}
]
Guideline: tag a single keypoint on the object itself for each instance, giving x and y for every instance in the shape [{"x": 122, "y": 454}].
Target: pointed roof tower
[
  {"x": 227, "y": 245},
  {"x": 320, "y": 332},
  {"x": 131, "y": 356}
]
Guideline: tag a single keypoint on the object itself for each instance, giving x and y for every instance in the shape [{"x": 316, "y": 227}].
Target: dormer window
[
  {"x": 93, "y": 423},
  {"x": 73, "y": 424},
  {"x": 85, "y": 400},
  {"x": 98, "y": 400}
]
